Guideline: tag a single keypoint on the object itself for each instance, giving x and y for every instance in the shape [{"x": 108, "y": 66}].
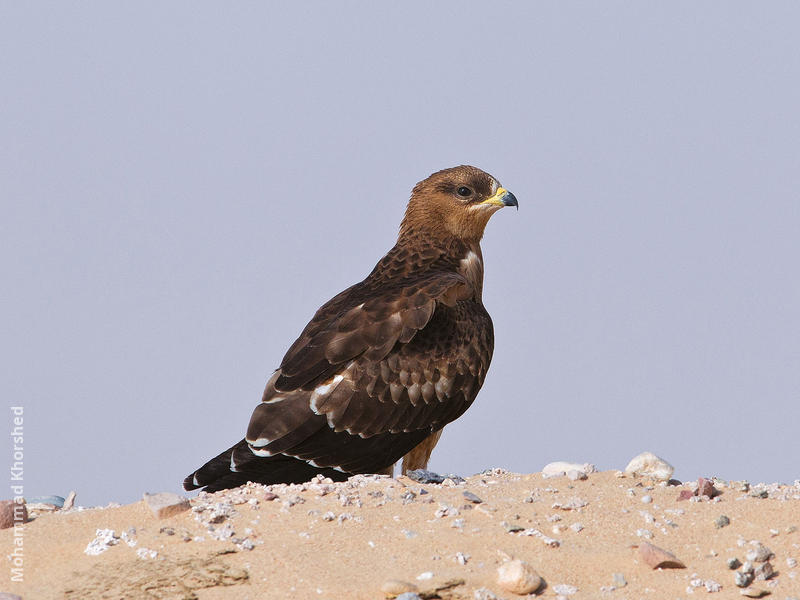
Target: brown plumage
[{"x": 387, "y": 363}]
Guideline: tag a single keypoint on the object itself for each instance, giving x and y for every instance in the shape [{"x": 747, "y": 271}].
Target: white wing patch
[
  {"x": 233, "y": 464},
  {"x": 323, "y": 391}
]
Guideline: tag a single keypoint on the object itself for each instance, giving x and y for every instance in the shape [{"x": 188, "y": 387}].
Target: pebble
[
  {"x": 565, "y": 590},
  {"x": 648, "y": 464},
  {"x": 166, "y": 504},
  {"x": 395, "y": 587},
  {"x": 409, "y": 596},
  {"x": 572, "y": 504},
  {"x": 722, "y": 521},
  {"x": 56, "y": 501},
  {"x": 482, "y": 594},
  {"x": 7, "y": 510},
  {"x": 103, "y": 540},
  {"x": 791, "y": 563},
  {"x": 425, "y": 576},
  {"x": 647, "y": 499},
  {"x": 763, "y": 571},
  {"x": 424, "y": 476},
  {"x": 742, "y": 579},
  {"x": 472, "y": 497},
  {"x": 512, "y": 527},
  {"x": 733, "y": 563},
  {"x": 619, "y": 580},
  {"x": 518, "y": 577},
  {"x": 705, "y": 488},
  {"x": 759, "y": 552},
  {"x": 561, "y": 468},
  {"x": 548, "y": 541},
  {"x": 576, "y": 527},
  {"x": 658, "y": 558},
  {"x": 754, "y": 593}
]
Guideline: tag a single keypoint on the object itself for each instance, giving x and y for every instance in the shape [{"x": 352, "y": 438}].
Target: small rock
[
  {"x": 56, "y": 501},
  {"x": 565, "y": 590},
  {"x": 648, "y": 464},
  {"x": 472, "y": 497},
  {"x": 733, "y": 563},
  {"x": 424, "y": 476},
  {"x": 657, "y": 558},
  {"x": 70, "y": 501},
  {"x": 12, "y": 512},
  {"x": 575, "y": 475},
  {"x": 747, "y": 567},
  {"x": 484, "y": 594},
  {"x": 791, "y": 563},
  {"x": 742, "y": 579},
  {"x": 166, "y": 504},
  {"x": 619, "y": 580},
  {"x": 721, "y": 521},
  {"x": 5, "y": 596},
  {"x": 759, "y": 553},
  {"x": 647, "y": 499},
  {"x": 685, "y": 495},
  {"x": 763, "y": 571},
  {"x": 518, "y": 577},
  {"x": 103, "y": 540},
  {"x": 576, "y": 527},
  {"x": 425, "y": 576},
  {"x": 705, "y": 488},
  {"x": 561, "y": 468},
  {"x": 754, "y": 593},
  {"x": 409, "y": 596},
  {"x": 712, "y": 586},
  {"x": 394, "y": 587}
]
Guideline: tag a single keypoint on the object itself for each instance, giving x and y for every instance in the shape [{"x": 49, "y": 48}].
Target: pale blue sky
[{"x": 184, "y": 183}]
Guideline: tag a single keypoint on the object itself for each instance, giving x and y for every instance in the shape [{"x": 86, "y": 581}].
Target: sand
[{"x": 345, "y": 540}]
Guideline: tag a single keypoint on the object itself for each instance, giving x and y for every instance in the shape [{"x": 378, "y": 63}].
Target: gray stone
[
  {"x": 472, "y": 497},
  {"x": 722, "y": 521},
  {"x": 764, "y": 571},
  {"x": 733, "y": 563},
  {"x": 166, "y": 504},
  {"x": 56, "y": 501},
  {"x": 759, "y": 553},
  {"x": 742, "y": 579},
  {"x": 424, "y": 476},
  {"x": 619, "y": 580}
]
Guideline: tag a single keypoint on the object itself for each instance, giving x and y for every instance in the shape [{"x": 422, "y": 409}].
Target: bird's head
[{"x": 455, "y": 202}]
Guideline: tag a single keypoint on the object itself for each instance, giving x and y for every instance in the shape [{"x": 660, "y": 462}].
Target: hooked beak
[{"x": 502, "y": 198}]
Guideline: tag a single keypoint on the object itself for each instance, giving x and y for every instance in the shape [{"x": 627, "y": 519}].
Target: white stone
[
  {"x": 648, "y": 464},
  {"x": 518, "y": 577},
  {"x": 560, "y": 468}
]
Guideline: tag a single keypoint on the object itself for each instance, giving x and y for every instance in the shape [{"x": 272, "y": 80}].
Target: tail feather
[{"x": 237, "y": 465}]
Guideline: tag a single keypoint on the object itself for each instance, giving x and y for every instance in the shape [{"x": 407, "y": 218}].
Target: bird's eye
[{"x": 464, "y": 192}]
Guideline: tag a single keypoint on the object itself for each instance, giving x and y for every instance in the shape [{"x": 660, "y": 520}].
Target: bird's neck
[{"x": 445, "y": 253}]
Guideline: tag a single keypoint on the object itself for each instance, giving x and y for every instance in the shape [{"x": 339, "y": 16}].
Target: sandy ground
[{"x": 331, "y": 541}]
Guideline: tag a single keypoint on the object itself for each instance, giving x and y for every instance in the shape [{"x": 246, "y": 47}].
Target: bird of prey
[{"x": 387, "y": 363}]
